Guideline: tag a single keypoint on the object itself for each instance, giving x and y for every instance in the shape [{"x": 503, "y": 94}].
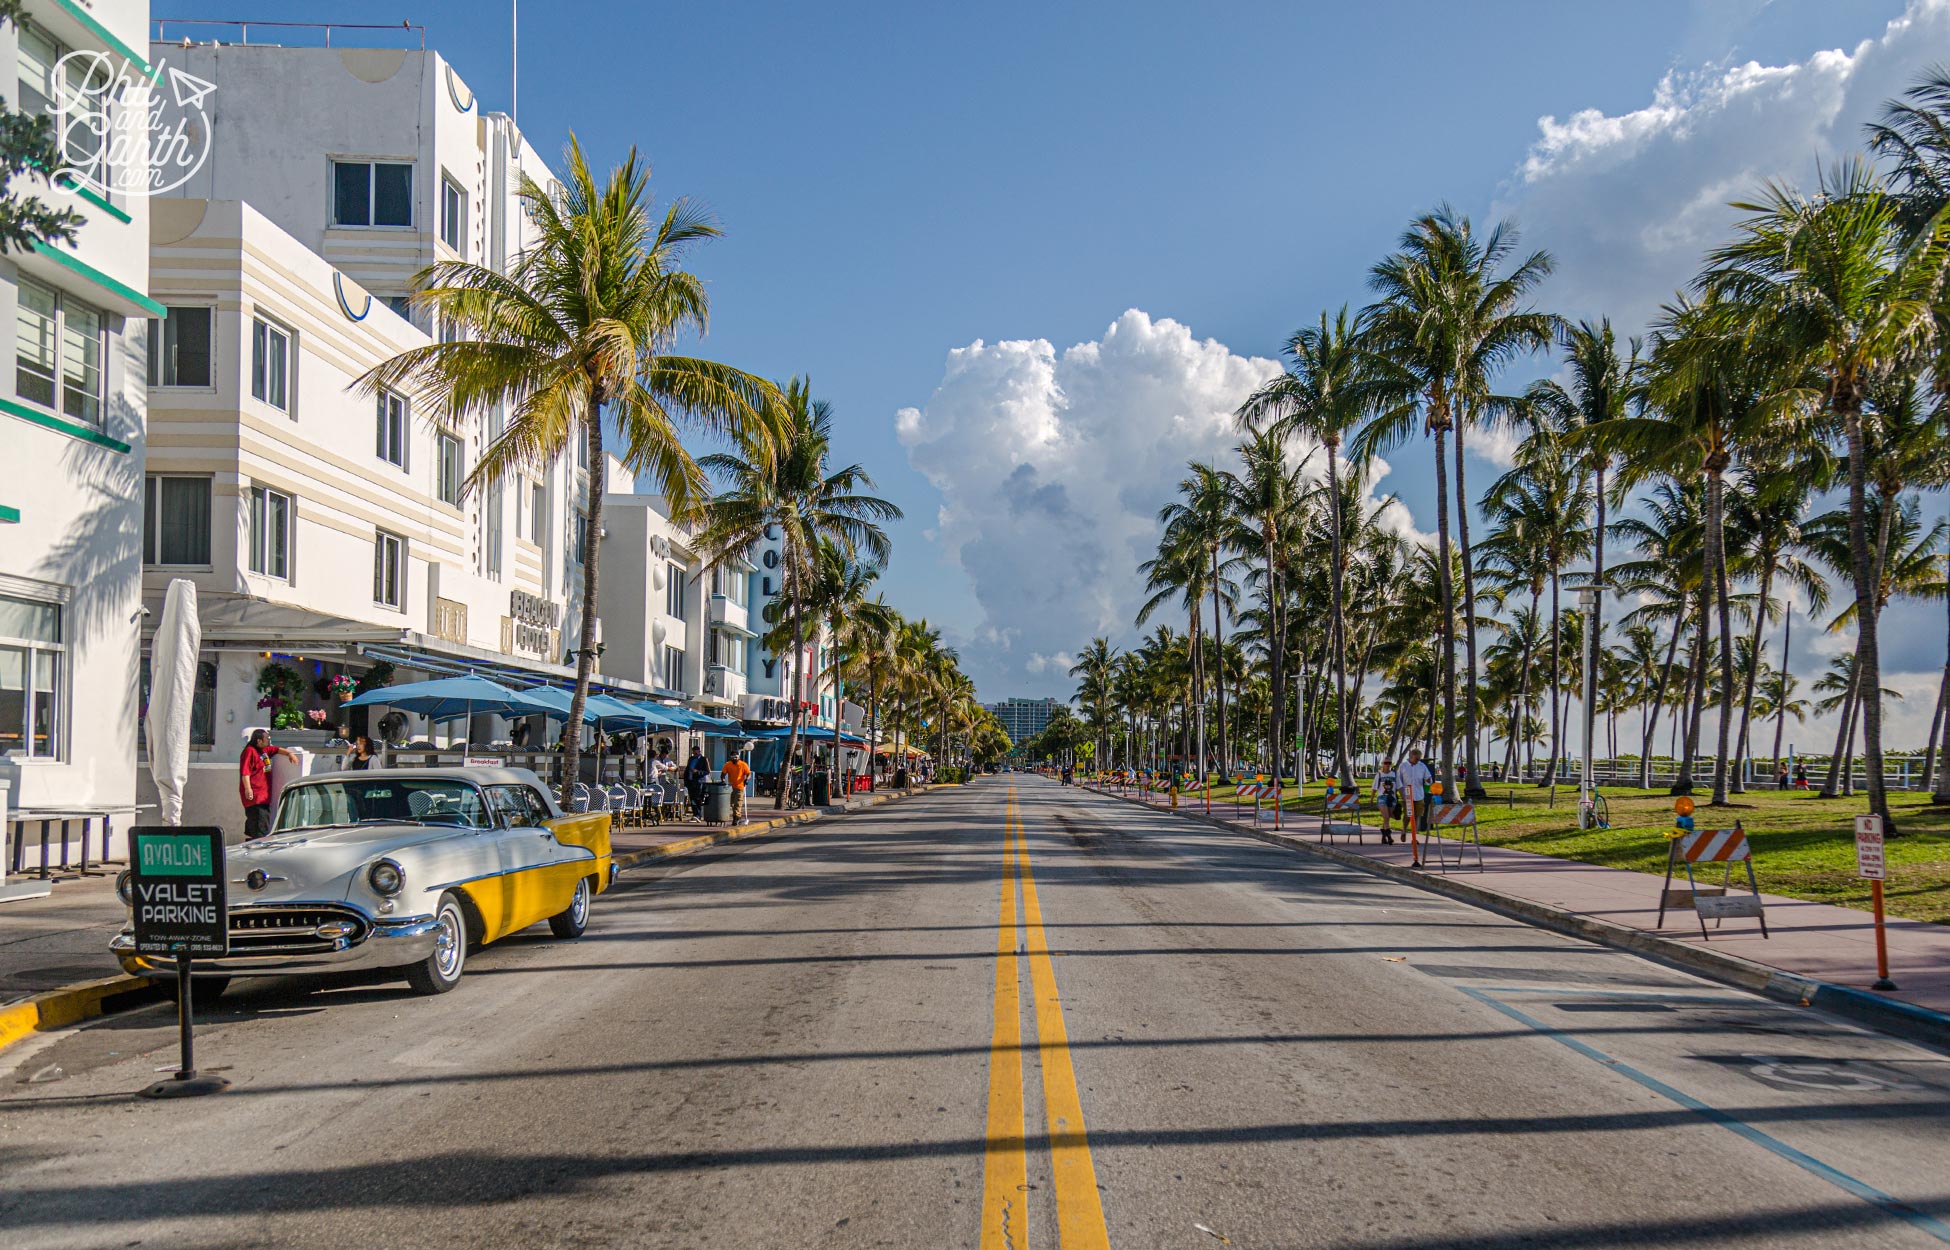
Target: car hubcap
[
  {"x": 446, "y": 944},
  {"x": 579, "y": 908}
]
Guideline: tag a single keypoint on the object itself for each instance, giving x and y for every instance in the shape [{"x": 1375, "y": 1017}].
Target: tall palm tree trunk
[
  {"x": 1276, "y": 648},
  {"x": 1868, "y": 653},
  {"x": 1219, "y": 644},
  {"x": 1343, "y": 750},
  {"x": 1716, "y": 560},
  {"x": 1473, "y": 789},
  {"x": 1659, "y": 701},
  {"x": 586, "y": 646},
  {"x": 1557, "y": 680},
  {"x": 784, "y": 784},
  {"x": 1832, "y": 785},
  {"x": 1742, "y": 747},
  {"x": 1941, "y": 793},
  {"x": 1447, "y": 599},
  {"x": 1594, "y": 629},
  {"x": 1780, "y": 713},
  {"x": 1695, "y": 699}
]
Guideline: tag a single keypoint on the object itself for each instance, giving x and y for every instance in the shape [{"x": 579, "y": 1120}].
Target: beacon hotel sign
[
  {"x": 125, "y": 129},
  {"x": 534, "y": 621}
]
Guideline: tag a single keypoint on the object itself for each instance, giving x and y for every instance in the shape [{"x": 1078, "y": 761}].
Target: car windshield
[{"x": 406, "y": 800}]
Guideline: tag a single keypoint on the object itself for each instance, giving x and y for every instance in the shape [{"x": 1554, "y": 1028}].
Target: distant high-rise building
[{"x": 1023, "y": 719}]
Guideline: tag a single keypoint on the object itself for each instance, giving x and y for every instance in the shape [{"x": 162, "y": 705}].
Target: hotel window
[
  {"x": 372, "y": 193},
  {"x": 50, "y": 325},
  {"x": 42, "y": 94},
  {"x": 32, "y": 664},
  {"x": 271, "y": 364},
  {"x": 270, "y": 533},
  {"x": 582, "y": 536},
  {"x": 453, "y": 216},
  {"x": 179, "y": 348},
  {"x": 673, "y": 669},
  {"x": 674, "y": 590},
  {"x": 451, "y": 469},
  {"x": 389, "y": 570},
  {"x": 176, "y": 520},
  {"x": 392, "y": 428},
  {"x": 538, "y": 514}
]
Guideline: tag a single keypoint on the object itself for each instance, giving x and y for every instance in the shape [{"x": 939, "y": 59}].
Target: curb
[
  {"x": 1919, "y": 1024},
  {"x": 71, "y": 1004}
]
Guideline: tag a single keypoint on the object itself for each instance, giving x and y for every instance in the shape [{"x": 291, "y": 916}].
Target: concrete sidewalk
[{"x": 1816, "y": 942}]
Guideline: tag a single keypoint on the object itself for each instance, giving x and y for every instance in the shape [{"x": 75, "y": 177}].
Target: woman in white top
[{"x": 1387, "y": 798}]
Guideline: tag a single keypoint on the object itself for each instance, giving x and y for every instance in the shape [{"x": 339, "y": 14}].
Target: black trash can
[
  {"x": 822, "y": 789},
  {"x": 717, "y": 802},
  {"x": 900, "y": 779}
]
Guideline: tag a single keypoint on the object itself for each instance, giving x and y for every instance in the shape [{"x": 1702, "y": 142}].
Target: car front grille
[{"x": 274, "y": 930}]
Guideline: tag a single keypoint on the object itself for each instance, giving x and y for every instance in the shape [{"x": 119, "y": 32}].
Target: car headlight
[
  {"x": 123, "y": 889},
  {"x": 386, "y": 878}
]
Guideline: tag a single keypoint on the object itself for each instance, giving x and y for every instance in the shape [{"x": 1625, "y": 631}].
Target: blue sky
[{"x": 899, "y": 181}]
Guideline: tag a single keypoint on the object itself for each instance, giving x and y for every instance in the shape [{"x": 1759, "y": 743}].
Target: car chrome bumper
[{"x": 390, "y": 944}]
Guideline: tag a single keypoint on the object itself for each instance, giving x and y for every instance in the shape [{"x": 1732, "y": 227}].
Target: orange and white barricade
[
  {"x": 1712, "y": 846},
  {"x": 1344, "y": 809},
  {"x": 1254, "y": 790},
  {"x": 1457, "y": 821}
]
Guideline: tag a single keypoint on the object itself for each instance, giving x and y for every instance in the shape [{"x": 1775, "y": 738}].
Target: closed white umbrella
[{"x": 172, "y": 688}]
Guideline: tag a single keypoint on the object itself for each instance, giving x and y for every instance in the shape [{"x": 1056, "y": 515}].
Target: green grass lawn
[{"x": 1804, "y": 847}]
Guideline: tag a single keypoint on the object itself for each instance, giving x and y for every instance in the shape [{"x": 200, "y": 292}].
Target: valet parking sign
[{"x": 177, "y": 884}]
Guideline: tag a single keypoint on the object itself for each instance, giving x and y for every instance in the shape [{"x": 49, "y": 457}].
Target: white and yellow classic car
[{"x": 400, "y": 868}]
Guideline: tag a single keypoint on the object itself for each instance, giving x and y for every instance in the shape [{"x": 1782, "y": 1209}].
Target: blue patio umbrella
[{"x": 447, "y": 698}]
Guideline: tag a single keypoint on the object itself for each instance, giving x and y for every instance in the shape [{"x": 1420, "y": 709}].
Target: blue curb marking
[{"x": 1842, "y": 1180}]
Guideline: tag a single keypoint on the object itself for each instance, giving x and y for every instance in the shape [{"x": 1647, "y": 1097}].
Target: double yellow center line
[{"x": 1005, "y": 1180}]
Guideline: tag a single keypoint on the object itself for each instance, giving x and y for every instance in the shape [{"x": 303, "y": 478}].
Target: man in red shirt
[{"x": 254, "y": 782}]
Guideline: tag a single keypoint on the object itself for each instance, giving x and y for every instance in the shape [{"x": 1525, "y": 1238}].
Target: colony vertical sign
[{"x": 176, "y": 888}]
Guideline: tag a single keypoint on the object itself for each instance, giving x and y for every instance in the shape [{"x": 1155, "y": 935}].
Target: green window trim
[
  {"x": 136, "y": 60},
  {"x": 9, "y": 516},
  {"x": 88, "y": 193},
  {"x": 61, "y": 425},
  {"x": 120, "y": 289}
]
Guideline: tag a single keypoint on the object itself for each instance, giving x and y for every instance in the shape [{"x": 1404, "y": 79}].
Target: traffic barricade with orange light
[
  {"x": 1343, "y": 808},
  {"x": 1688, "y": 846},
  {"x": 1451, "y": 822}
]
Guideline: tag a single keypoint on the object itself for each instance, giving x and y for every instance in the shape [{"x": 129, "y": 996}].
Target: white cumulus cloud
[
  {"x": 1052, "y": 466},
  {"x": 1630, "y": 202}
]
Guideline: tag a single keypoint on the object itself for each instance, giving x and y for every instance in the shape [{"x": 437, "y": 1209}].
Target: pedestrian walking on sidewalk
[
  {"x": 254, "y": 782},
  {"x": 1387, "y": 799},
  {"x": 737, "y": 772},
  {"x": 1415, "y": 777},
  {"x": 695, "y": 774}
]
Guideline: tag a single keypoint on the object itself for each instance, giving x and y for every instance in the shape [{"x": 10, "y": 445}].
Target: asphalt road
[{"x": 937, "y": 1024}]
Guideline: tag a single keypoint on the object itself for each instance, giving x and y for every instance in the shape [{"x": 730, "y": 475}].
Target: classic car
[{"x": 397, "y": 868}]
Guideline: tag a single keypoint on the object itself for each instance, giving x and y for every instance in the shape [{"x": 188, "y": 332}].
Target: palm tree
[
  {"x": 784, "y": 482},
  {"x": 1600, "y": 392},
  {"x": 837, "y": 595},
  {"x": 1325, "y": 393},
  {"x": 1444, "y": 323},
  {"x": 1710, "y": 396},
  {"x": 1095, "y": 667},
  {"x": 578, "y": 334},
  {"x": 1263, "y": 498},
  {"x": 1777, "y": 699},
  {"x": 1832, "y": 281},
  {"x": 1202, "y": 515},
  {"x": 1539, "y": 511},
  {"x": 1667, "y": 576}
]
